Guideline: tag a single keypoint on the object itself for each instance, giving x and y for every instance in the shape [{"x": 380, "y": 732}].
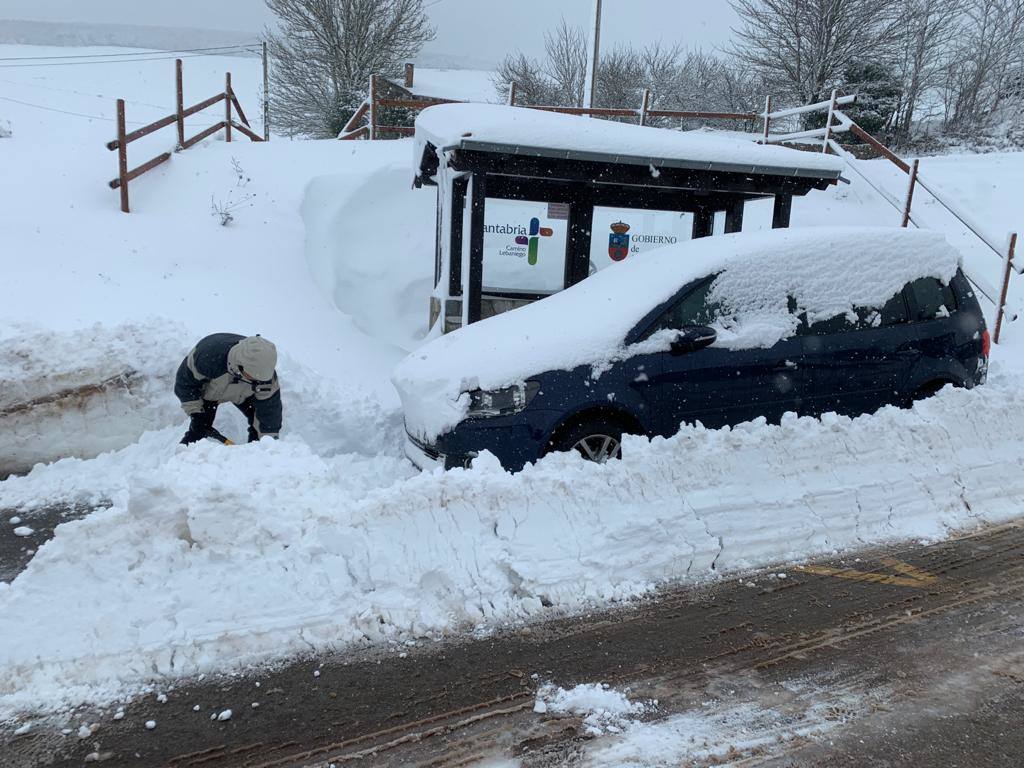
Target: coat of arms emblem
[{"x": 618, "y": 241}]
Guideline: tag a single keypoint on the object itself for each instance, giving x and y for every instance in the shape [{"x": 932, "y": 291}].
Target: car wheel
[
  {"x": 598, "y": 440},
  {"x": 927, "y": 390}
]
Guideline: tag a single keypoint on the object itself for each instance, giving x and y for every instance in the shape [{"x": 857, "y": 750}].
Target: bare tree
[
  {"x": 926, "y": 30},
  {"x": 802, "y": 47},
  {"x": 559, "y": 79},
  {"x": 988, "y": 59},
  {"x": 325, "y": 51}
]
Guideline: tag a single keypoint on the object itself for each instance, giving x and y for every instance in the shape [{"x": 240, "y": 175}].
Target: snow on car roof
[
  {"x": 828, "y": 271},
  {"x": 517, "y": 130}
]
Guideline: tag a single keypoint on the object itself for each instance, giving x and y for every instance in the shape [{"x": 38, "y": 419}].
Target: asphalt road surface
[{"x": 906, "y": 656}]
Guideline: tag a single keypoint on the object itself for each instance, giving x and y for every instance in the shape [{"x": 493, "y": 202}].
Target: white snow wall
[{"x": 224, "y": 557}]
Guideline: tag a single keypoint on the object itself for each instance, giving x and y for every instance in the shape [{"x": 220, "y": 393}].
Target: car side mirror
[{"x": 692, "y": 338}]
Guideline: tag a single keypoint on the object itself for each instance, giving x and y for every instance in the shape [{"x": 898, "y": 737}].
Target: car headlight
[{"x": 501, "y": 402}]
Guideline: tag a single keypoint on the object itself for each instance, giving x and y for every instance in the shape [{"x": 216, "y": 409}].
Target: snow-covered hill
[{"x": 209, "y": 558}]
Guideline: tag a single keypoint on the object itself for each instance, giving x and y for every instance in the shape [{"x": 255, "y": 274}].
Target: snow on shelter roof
[{"x": 537, "y": 133}]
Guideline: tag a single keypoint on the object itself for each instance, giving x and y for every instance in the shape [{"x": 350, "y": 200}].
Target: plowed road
[{"x": 906, "y": 656}]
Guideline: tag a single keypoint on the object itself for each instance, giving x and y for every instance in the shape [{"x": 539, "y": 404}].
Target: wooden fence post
[
  {"x": 179, "y": 94},
  {"x": 122, "y": 156},
  {"x": 644, "y": 106},
  {"x": 512, "y": 93},
  {"x": 910, "y": 193},
  {"x": 767, "y": 117},
  {"x": 227, "y": 107},
  {"x": 828, "y": 123},
  {"x": 373, "y": 107},
  {"x": 1010, "y": 250}
]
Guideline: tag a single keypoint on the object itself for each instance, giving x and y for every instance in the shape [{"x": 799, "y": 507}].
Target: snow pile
[
  {"x": 225, "y": 556},
  {"x": 83, "y": 393},
  {"x": 535, "y": 132},
  {"x": 759, "y": 272},
  {"x": 603, "y": 709},
  {"x": 374, "y": 261}
]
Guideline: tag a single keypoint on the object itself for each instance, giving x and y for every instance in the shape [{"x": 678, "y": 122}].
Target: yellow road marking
[{"x": 909, "y": 575}]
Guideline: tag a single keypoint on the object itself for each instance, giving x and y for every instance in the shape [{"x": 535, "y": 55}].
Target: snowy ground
[{"x": 210, "y": 558}]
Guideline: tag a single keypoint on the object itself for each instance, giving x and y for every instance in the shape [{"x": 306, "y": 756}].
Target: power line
[
  {"x": 77, "y": 114},
  {"x": 145, "y": 52},
  {"x": 118, "y": 61}
]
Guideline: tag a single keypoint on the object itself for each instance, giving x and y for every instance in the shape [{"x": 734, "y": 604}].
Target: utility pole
[
  {"x": 266, "y": 95},
  {"x": 595, "y": 55}
]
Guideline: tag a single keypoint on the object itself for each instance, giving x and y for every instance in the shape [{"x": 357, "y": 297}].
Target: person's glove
[{"x": 200, "y": 424}]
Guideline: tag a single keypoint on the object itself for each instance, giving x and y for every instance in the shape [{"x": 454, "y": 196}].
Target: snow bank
[
  {"x": 221, "y": 557},
  {"x": 83, "y": 393},
  {"x": 374, "y": 259},
  {"x": 134, "y": 423},
  {"x": 759, "y": 272},
  {"x": 535, "y": 132}
]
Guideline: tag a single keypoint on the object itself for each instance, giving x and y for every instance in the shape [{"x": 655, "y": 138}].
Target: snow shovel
[{"x": 213, "y": 434}]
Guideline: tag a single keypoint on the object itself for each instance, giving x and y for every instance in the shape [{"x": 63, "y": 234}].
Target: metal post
[
  {"x": 227, "y": 107},
  {"x": 266, "y": 95},
  {"x": 910, "y": 193},
  {"x": 767, "y": 117},
  {"x": 644, "y": 105},
  {"x": 122, "y": 156},
  {"x": 373, "y": 107},
  {"x": 1010, "y": 250},
  {"x": 596, "y": 53},
  {"x": 512, "y": 93},
  {"x": 734, "y": 217},
  {"x": 179, "y": 89},
  {"x": 828, "y": 124}
]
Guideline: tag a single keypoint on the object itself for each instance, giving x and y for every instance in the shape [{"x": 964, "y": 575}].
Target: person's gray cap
[{"x": 256, "y": 356}]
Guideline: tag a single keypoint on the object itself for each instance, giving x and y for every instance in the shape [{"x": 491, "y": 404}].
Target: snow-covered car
[{"x": 719, "y": 331}]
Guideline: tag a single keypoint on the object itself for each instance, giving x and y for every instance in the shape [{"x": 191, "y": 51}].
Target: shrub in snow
[{"x": 5, "y": 129}]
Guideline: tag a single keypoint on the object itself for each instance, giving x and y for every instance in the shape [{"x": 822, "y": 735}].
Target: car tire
[
  {"x": 927, "y": 390},
  {"x": 598, "y": 439}
]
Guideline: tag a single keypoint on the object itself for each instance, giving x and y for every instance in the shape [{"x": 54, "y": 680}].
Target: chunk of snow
[
  {"x": 15, "y": 520},
  {"x": 162, "y": 698},
  {"x": 23, "y": 530},
  {"x": 119, "y": 715},
  {"x": 225, "y": 715},
  {"x": 21, "y": 731},
  {"x": 150, "y": 725},
  {"x": 84, "y": 731},
  {"x": 196, "y": 708},
  {"x": 603, "y": 708}
]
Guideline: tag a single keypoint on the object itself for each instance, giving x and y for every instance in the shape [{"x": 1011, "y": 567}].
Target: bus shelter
[{"x": 531, "y": 202}]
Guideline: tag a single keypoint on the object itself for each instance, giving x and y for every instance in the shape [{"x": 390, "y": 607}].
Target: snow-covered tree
[
  {"x": 801, "y": 48},
  {"x": 324, "y": 52}
]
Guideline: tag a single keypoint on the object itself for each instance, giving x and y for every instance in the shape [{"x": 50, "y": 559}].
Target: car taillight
[{"x": 986, "y": 343}]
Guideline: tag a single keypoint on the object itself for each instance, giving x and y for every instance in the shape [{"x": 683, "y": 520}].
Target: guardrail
[{"x": 120, "y": 144}]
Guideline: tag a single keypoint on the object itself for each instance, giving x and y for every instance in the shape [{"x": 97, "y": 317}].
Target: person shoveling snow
[{"x": 229, "y": 368}]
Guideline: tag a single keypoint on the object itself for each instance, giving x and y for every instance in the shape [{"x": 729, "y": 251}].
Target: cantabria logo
[{"x": 533, "y": 240}]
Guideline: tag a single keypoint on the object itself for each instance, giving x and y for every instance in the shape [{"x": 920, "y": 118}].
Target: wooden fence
[{"x": 120, "y": 144}]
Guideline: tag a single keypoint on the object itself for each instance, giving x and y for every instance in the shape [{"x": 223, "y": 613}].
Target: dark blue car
[{"x": 929, "y": 334}]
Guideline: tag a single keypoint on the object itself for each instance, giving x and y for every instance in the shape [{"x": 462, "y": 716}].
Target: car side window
[
  {"x": 893, "y": 312},
  {"x": 692, "y": 309},
  {"x": 933, "y": 299}
]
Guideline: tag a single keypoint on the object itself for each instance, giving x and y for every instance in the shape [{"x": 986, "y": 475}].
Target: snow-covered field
[{"x": 209, "y": 559}]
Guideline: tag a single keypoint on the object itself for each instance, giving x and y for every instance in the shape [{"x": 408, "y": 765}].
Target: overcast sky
[{"x": 477, "y": 29}]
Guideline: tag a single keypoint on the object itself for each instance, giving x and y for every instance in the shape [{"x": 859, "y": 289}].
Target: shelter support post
[
  {"x": 783, "y": 209},
  {"x": 474, "y": 280},
  {"x": 703, "y": 223},
  {"x": 734, "y": 217}
]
